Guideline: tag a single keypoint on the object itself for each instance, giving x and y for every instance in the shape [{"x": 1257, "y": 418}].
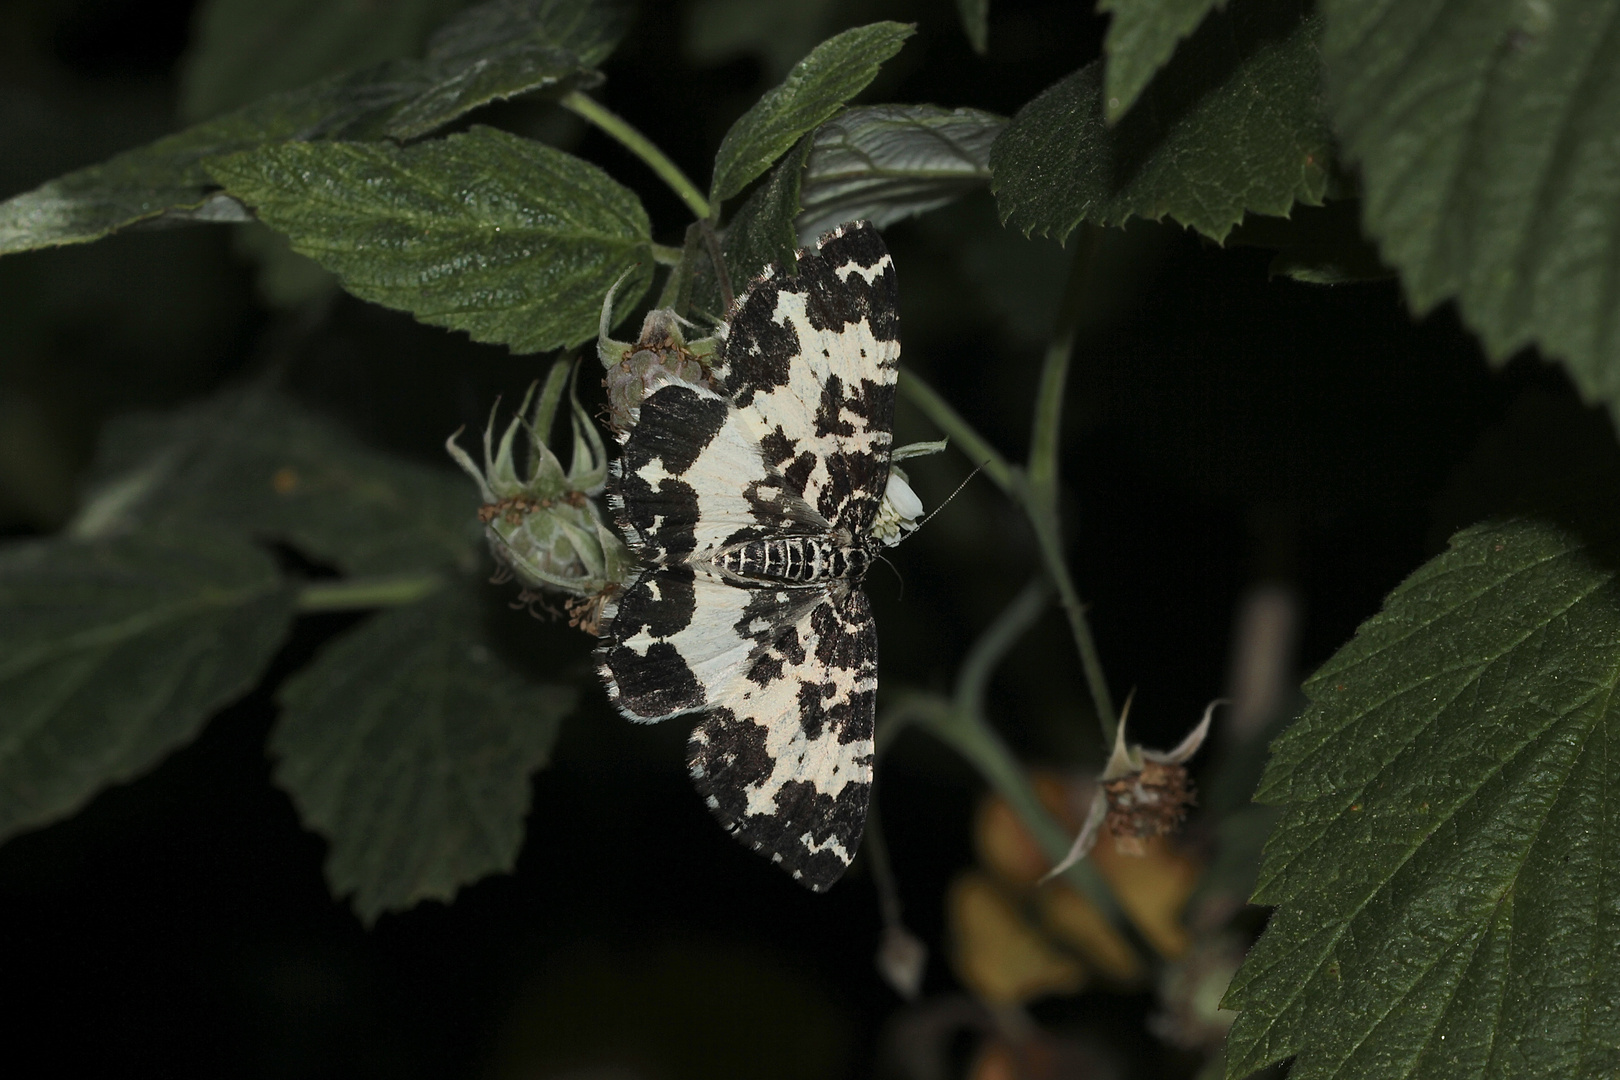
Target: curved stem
[
  {"x": 966, "y": 732},
  {"x": 639, "y": 145},
  {"x": 997, "y": 641},
  {"x": 1051, "y": 545},
  {"x": 665, "y": 255},
  {"x": 1042, "y": 474},
  {"x": 358, "y": 594},
  {"x": 975, "y": 446}
]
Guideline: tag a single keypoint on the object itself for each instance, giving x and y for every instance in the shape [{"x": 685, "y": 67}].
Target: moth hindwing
[{"x": 751, "y": 507}]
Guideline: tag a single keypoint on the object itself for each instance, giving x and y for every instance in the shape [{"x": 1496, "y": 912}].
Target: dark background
[{"x": 1223, "y": 429}]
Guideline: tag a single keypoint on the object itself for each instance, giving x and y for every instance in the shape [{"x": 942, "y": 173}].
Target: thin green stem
[
  {"x": 665, "y": 255},
  {"x": 970, "y": 442},
  {"x": 641, "y": 146},
  {"x": 1042, "y": 473},
  {"x": 969, "y": 735},
  {"x": 997, "y": 641},
  {"x": 358, "y": 594},
  {"x": 1051, "y": 544},
  {"x": 1047, "y": 429}
]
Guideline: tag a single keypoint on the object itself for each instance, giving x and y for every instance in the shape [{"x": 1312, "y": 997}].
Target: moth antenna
[
  {"x": 895, "y": 570},
  {"x": 977, "y": 469}
]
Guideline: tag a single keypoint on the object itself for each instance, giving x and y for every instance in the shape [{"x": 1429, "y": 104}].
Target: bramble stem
[
  {"x": 966, "y": 732},
  {"x": 358, "y": 594},
  {"x": 970, "y": 442},
  {"x": 639, "y": 145},
  {"x": 1042, "y": 502},
  {"x": 997, "y": 641},
  {"x": 1046, "y": 431}
]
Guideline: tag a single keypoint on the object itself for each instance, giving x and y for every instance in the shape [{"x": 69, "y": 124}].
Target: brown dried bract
[{"x": 1152, "y": 802}]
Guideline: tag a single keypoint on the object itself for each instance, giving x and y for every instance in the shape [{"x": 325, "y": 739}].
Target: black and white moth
[{"x": 753, "y": 509}]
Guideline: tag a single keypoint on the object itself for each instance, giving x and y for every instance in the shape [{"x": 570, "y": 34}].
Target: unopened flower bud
[{"x": 543, "y": 524}]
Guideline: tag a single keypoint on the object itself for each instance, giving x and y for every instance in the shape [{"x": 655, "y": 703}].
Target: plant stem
[
  {"x": 1051, "y": 545},
  {"x": 997, "y": 641},
  {"x": 639, "y": 145},
  {"x": 970, "y": 442},
  {"x": 358, "y": 594},
  {"x": 968, "y": 734},
  {"x": 664, "y": 255},
  {"x": 1045, "y": 433},
  {"x": 1042, "y": 474}
]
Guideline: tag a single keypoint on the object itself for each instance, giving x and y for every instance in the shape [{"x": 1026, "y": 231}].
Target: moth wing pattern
[
  {"x": 797, "y": 792},
  {"x": 810, "y": 363},
  {"x": 793, "y": 441},
  {"x": 679, "y": 639},
  {"x": 693, "y": 479}
]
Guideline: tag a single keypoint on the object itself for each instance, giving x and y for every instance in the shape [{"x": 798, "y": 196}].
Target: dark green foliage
[
  {"x": 496, "y": 50},
  {"x": 260, "y": 465},
  {"x": 1488, "y": 135},
  {"x": 1442, "y": 872},
  {"x": 1141, "y": 36},
  {"x": 1232, "y": 127},
  {"x": 248, "y": 49},
  {"x": 1442, "y": 842},
  {"x": 408, "y": 745},
  {"x": 885, "y": 163},
  {"x": 975, "y": 23},
  {"x": 522, "y": 259},
  {"x": 835, "y": 71},
  {"x": 115, "y": 650}
]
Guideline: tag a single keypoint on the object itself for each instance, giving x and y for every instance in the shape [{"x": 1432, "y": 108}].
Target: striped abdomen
[{"x": 797, "y": 559}]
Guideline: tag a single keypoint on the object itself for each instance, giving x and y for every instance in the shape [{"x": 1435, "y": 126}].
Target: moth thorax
[{"x": 799, "y": 559}]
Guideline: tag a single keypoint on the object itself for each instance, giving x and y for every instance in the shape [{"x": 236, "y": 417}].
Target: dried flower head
[
  {"x": 1141, "y": 793},
  {"x": 661, "y": 354}
]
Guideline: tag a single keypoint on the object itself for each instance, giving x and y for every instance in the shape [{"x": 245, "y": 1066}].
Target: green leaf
[
  {"x": 501, "y": 49},
  {"x": 115, "y": 652},
  {"x": 1232, "y": 126},
  {"x": 409, "y": 746},
  {"x": 835, "y": 71},
  {"x": 260, "y": 465},
  {"x": 1444, "y": 870},
  {"x": 1141, "y": 36},
  {"x": 505, "y": 238},
  {"x": 246, "y": 49},
  {"x": 1488, "y": 135},
  {"x": 889, "y": 162},
  {"x": 761, "y": 233},
  {"x": 975, "y": 23},
  {"x": 483, "y": 56}
]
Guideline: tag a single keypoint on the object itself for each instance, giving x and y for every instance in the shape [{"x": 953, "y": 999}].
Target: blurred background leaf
[
  {"x": 256, "y": 463},
  {"x": 409, "y": 745},
  {"x": 114, "y": 652},
  {"x": 1488, "y": 137},
  {"x": 243, "y": 50}
]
